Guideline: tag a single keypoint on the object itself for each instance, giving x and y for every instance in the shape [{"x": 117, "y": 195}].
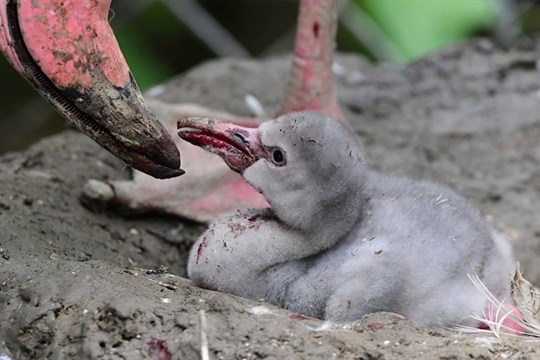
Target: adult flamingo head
[{"x": 68, "y": 53}]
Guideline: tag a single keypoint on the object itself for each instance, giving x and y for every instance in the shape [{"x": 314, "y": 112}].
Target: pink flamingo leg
[
  {"x": 507, "y": 317},
  {"x": 311, "y": 84}
]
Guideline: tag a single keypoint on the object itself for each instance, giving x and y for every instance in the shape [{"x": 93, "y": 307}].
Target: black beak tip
[
  {"x": 170, "y": 173},
  {"x": 159, "y": 171},
  {"x": 160, "y": 160}
]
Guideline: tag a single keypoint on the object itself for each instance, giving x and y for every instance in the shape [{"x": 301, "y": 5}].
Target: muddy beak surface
[
  {"x": 68, "y": 53},
  {"x": 238, "y": 146}
]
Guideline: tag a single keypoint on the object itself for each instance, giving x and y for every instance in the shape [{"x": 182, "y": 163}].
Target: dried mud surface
[{"x": 80, "y": 282}]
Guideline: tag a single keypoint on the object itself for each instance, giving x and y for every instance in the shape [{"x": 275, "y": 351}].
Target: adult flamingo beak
[{"x": 67, "y": 51}]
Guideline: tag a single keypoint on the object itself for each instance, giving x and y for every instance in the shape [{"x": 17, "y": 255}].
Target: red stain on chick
[{"x": 200, "y": 249}]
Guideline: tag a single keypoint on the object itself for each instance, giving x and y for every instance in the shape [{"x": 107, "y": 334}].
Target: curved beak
[
  {"x": 68, "y": 53},
  {"x": 238, "y": 146}
]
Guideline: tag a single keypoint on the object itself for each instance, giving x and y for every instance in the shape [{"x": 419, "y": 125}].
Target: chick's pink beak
[{"x": 238, "y": 146}]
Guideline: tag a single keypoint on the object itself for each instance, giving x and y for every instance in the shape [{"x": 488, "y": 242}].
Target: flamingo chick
[{"x": 341, "y": 240}]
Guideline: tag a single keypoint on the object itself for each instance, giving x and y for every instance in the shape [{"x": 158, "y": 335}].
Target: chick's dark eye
[{"x": 278, "y": 157}]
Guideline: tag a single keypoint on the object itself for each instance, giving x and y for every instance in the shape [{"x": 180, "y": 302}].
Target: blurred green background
[{"x": 161, "y": 38}]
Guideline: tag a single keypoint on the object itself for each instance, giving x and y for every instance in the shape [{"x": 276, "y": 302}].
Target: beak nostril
[{"x": 240, "y": 137}]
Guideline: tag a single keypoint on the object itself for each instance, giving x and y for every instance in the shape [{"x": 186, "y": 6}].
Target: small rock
[{"x": 98, "y": 191}]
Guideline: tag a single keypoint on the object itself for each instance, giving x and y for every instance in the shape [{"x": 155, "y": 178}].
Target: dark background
[{"x": 161, "y": 38}]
